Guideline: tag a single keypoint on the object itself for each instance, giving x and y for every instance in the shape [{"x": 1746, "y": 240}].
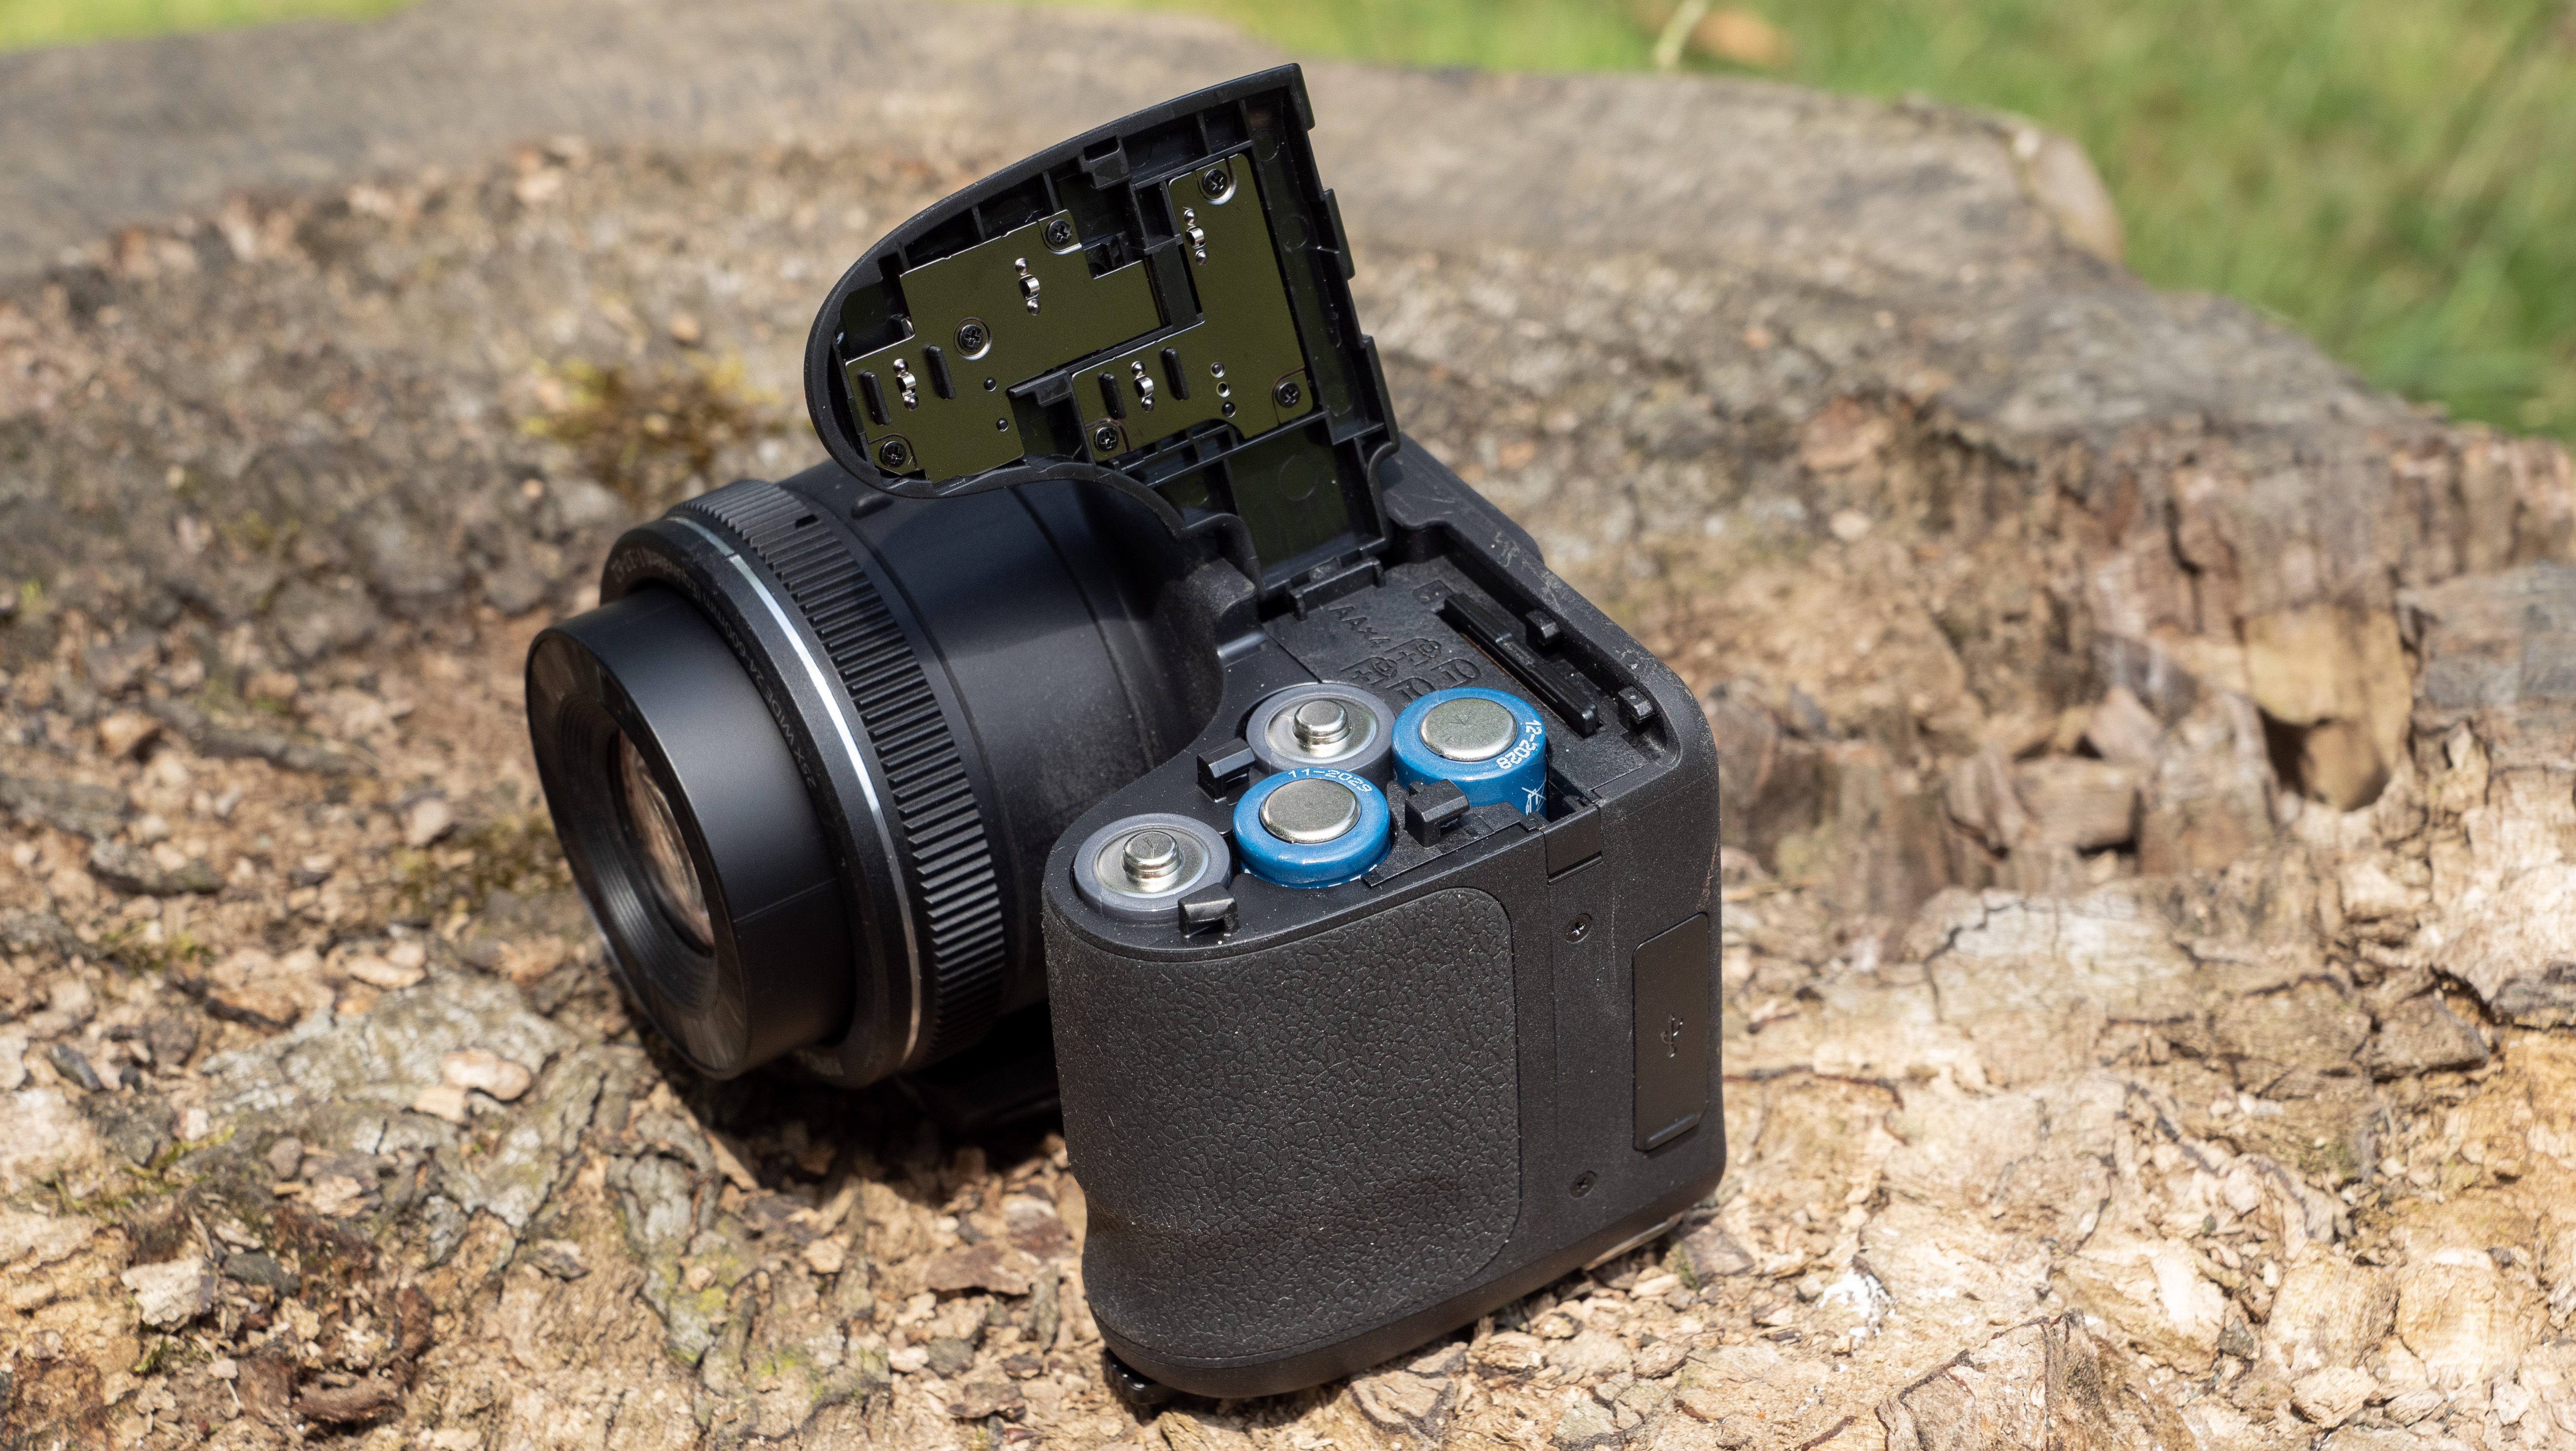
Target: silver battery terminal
[
  {"x": 1138, "y": 868},
  {"x": 1325, "y": 724}
]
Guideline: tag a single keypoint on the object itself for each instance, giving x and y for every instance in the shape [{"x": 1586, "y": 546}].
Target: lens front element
[
  {"x": 686, "y": 822},
  {"x": 655, "y": 831}
]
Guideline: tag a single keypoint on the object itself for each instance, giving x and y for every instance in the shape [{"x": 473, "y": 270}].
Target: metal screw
[
  {"x": 1059, "y": 233},
  {"x": 894, "y": 453},
  {"x": 1579, "y": 928},
  {"x": 972, "y": 337},
  {"x": 1105, "y": 438},
  {"x": 1214, "y": 181},
  {"x": 1583, "y": 1183},
  {"x": 1288, "y": 393}
]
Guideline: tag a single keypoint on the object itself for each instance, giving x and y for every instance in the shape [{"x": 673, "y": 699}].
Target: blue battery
[
  {"x": 1311, "y": 827},
  {"x": 1489, "y": 743}
]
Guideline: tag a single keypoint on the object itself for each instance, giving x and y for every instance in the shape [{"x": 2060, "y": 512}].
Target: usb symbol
[{"x": 1673, "y": 1038}]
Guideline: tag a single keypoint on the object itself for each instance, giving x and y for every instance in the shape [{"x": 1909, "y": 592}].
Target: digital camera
[{"x": 1126, "y": 664}]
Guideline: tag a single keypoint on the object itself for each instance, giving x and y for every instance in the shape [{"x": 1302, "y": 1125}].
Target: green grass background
[{"x": 2395, "y": 177}]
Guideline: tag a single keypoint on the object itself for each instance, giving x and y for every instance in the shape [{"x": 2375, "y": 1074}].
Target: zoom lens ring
[{"x": 950, "y": 872}]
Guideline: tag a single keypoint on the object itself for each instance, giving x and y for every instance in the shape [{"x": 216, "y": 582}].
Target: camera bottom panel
[{"x": 1373, "y": 1345}]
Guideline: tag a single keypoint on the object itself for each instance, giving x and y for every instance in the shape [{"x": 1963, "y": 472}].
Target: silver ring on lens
[
  {"x": 1138, "y": 868},
  {"x": 1325, "y": 724}
]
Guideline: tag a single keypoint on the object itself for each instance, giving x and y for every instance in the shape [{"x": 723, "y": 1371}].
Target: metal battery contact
[
  {"x": 1324, "y": 724},
  {"x": 1138, "y": 868}
]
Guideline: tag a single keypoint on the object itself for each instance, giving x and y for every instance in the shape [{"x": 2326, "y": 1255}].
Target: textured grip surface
[{"x": 1296, "y": 1143}]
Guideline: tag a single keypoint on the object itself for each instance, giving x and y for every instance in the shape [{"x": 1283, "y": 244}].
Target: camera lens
[
  {"x": 685, "y": 821},
  {"x": 657, "y": 839},
  {"x": 808, "y": 756}
]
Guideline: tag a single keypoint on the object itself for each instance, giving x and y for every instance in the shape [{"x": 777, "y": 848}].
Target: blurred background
[{"x": 2396, "y": 178}]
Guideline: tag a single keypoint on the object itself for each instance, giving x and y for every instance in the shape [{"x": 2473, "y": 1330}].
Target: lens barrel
[
  {"x": 646, "y": 676},
  {"x": 853, "y": 728}
]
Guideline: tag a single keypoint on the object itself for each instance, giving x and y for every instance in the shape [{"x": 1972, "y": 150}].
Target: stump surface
[{"x": 2151, "y": 835}]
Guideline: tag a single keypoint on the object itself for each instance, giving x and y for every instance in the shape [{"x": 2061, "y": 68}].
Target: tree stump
[{"x": 2151, "y": 836}]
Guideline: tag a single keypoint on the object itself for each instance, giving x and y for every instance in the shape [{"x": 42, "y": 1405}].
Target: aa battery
[
  {"x": 1138, "y": 868},
  {"x": 1325, "y": 724},
  {"x": 1314, "y": 826},
  {"x": 1491, "y": 745}
]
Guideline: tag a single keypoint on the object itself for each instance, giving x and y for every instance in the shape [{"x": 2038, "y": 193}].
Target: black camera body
[
  {"x": 1351, "y": 1118},
  {"x": 1127, "y": 658}
]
